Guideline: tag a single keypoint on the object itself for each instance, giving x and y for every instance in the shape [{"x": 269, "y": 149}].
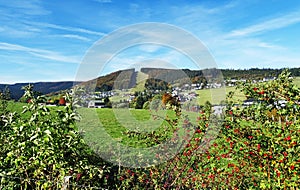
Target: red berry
[
  {"x": 292, "y": 167},
  {"x": 210, "y": 176},
  {"x": 278, "y": 174},
  {"x": 78, "y": 176}
]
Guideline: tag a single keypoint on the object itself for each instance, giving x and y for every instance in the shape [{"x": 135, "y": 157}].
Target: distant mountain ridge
[
  {"x": 125, "y": 79},
  {"x": 42, "y": 87}
]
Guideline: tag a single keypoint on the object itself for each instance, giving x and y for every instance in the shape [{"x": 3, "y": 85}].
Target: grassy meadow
[
  {"x": 297, "y": 81},
  {"x": 97, "y": 124},
  {"x": 100, "y": 125},
  {"x": 216, "y": 95}
]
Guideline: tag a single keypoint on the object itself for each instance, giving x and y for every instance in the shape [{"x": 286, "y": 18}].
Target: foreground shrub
[
  {"x": 40, "y": 147},
  {"x": 255, "y": 147},
  {"x": 264, "y": 137}
]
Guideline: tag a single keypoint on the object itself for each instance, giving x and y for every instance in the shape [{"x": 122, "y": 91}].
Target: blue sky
[{"x": 47, "y": 40}]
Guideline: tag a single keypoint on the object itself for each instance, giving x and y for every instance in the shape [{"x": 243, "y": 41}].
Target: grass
[
  {"x": 105, "y": 132},
  {"x": 104, "y": 125},
  {"x": 140, "y": 80},
  {"x": 216, "y": 95},
  {"x": 297, "y": 81},
  {"x": 99, "y": 123},
  {"x": 108, "y": 133},
  {"x": 15, "y": 106}
]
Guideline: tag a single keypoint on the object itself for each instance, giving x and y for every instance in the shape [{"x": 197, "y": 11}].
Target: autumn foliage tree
[{"x": 167, "y": 98}]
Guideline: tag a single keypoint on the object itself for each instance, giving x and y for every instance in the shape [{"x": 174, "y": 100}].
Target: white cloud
[
  {"x": 76, "y": 37},
  {"x": 30, "y": 7},
  {"x": 240, "y": 48},
  {"x": 275, "y": 23},
  {"x": 103, "y": 1},
  {"x": 50, "y": 55},
  {"x": 66, "y": 28}
]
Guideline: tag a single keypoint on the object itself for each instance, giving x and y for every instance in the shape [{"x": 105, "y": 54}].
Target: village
[{"x": 184, "y": 94}]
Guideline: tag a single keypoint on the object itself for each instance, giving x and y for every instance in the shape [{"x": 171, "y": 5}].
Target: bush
[
  {"x": 250, "y": 147},
  {"x": 38, "y": 151},
  {"x": 255, "y": 147}
]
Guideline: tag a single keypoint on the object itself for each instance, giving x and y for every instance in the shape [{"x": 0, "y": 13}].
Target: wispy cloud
[
  {"x": 66, "y": 28},
  {"x": 51, "y": 55},
  {"x": 76, "y": 37},
  {"x": 275, "y": 23},
  {"x": 17, "y": 31},
  {"x": 32, "y": 7},
  {"x": 103, "y": 1}
]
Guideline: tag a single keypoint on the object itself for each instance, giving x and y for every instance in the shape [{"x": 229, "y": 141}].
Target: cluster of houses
[
  {"x": 184, "y": 93},
  {"x": 96, "y": 104},
  {"x": 233, "y": 82}
]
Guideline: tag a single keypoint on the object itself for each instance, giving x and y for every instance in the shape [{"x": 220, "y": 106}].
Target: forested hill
[
  {"x": 125, "y": 79},
  {"x": 253, "y": 73},
  {"x": 16, "y": 91},
  {"x": 256, "y": 73}
]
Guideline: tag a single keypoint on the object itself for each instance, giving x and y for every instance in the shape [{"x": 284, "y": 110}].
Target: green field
[
  {"x": 104, "y": 125},
  {"x": 126, "y": 134},
  {"x": 128, "y": 138},
  {"x": 216, "y": 95},
  {"x": 140, "y": 80},
  {"x": 116, "y": 122},
  {"x": 297, "y": 81}
]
